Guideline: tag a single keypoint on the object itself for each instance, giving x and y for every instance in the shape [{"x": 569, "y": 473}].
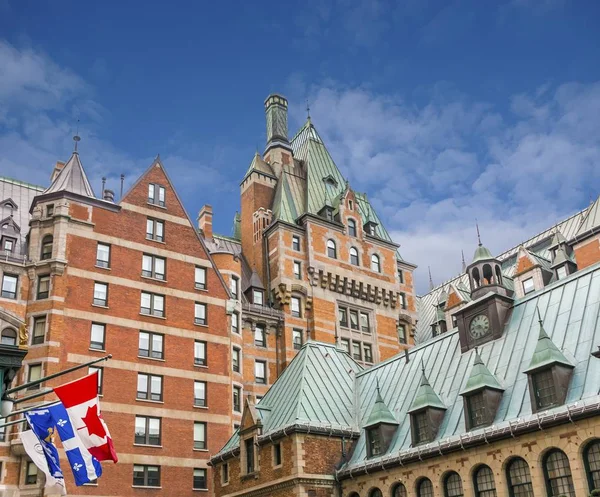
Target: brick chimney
[
  {"x": 205, "y": 220},
  {"x": 57, "y": 169}
]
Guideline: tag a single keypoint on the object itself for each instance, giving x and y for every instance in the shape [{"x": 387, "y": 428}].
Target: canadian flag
[{"x": 80, "y": 398}]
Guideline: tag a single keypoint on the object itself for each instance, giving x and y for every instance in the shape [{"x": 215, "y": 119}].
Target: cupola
[
  {"x": 426, "y": 413},
  {"x": 485, "y": 272},
  {"x": 380, "y": 428}
]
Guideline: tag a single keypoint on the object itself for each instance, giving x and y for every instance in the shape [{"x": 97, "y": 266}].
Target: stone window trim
[
  {"x": 352, "y": 227},
  {"x": 44, "y": 285},
  {"x": 484, "y": 483},
  {"x": 39, "y": 328},
  {"x": 8, "y": 282},
  {"x": 296, "y": 245},
  {"x": 558, "y": 476},
  {"x": 156, "y": 195},
  {"x": 591, "y": 463},
  {"x": 248, "y": 467},
  {"x": 518, "y": 477},
  {"x": 331, "y": 248},
  {"x": 225, "y": 474},
  {"x": 453, "y": 485},
  {"x": 277, "y": 455},
  {"x": 370, "y": 253}
]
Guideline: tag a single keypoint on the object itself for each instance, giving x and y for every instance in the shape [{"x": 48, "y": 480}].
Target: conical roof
[
  {"x": 426, "y": 397},
  {"x": 546, "y": 353},
  {"x": 482, "y": 253},
  {"x": 561, "y": 257},
  {"x": 557, "y": 239},
  {"x": 258, "y": 164},
  {"x": 480, "y": 377},
  {"x": 72, "y": 178},
  {"x": 380, "y": 413},
  {"x": 255, "y": 281}
]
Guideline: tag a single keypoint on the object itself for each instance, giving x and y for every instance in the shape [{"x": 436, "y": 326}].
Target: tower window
[
  {"x": 47, "y": 243},
  {"x": 296, "y": 243}
]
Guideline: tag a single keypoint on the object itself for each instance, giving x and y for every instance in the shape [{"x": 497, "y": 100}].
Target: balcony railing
[{"x": 263, "y": 310}]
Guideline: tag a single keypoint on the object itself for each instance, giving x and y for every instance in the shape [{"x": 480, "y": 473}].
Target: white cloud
[{"x": 431, "y": 170}]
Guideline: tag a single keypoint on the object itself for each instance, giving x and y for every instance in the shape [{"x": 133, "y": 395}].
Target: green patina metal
[
  {"x": 546, "y": 353},
  {"x": 480, "y": 377},
  {"x": 426, "y": 397},
  {"x": 380, "y": 413}
]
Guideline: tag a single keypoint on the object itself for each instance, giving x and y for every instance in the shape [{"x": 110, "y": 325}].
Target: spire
[
  {"x": 276, "y": 107},
  {"x": 478, "y": 235},
  {"x": 426, "y": 396},
  {"x": 480, "y": 377},
  {"x": 307, "y": 111},
  {"x": 430, "y": 278},
  {"x": 481, "y": 253},
  {"x": 380, "y": 412},
  {"x": 72, "y": 177},
  {"x": 464, "y": 264},
  {"x": 76, "y": 139},
  {"x": 546, "y": 352}
]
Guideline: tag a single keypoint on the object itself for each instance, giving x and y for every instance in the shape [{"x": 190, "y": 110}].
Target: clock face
[{"x": 479, "y": 326}]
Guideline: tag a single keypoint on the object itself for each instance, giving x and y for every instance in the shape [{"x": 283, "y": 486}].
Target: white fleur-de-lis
[
  {"x": 77, "y": 466},
  {"x": 61, "y": 422}
]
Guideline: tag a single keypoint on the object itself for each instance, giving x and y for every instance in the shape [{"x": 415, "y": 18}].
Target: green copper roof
[
  {"x": 591, "y": 219},
  {"x": 546, "y": 353},
  {"x": 425, "y": 397},
  {"x": 258, "y": 164},
  {"x": 557, "y": 239},
  {"x": 480, "y": 377},
  {"x": 380, "y": 413},
  {"x": 561, "y": 257},
  {"x": 482, "y": 253}
]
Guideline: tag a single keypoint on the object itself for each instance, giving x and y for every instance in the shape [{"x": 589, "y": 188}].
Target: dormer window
[
  {"x": 561, "y": 272},
  {"x": 426, "y": 413},
  {"x": 374, "y": 437},
  {"x": 257, "y": 297},
  {"x": 380, "y": 428},
  {"x": 8, "y": 244},
  {"x": 370, "y": 228},
  {"x": 421, "y": 432},
  {"x": 249, "y": 451},
  {"x": 528, "y": 286},
  {"x": 543, "y": 386}
]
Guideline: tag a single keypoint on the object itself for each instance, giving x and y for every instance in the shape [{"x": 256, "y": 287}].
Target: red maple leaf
[{"x": 93, "y": 422}]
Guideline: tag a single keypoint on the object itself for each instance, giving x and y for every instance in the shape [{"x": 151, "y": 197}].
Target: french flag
[{"x": 80, "y": 398}]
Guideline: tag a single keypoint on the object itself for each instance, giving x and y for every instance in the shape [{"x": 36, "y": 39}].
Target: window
[
  {"x": 200, "y": 393},
  {"x": 50, "y": 210},
  {"x": 149, "y": 387},
  {"x": 199, "y": 353},
  {"x": 98, "y": 336},
  {"x": 199, "y": 436},
  {"x": 147, "y": 430},
  {"x": 345, "y": 345},
  {"x": 296, "y": 243},
  {"x": 364, "y": 323},
  {"x": 591, "y": 460},
  {"x": 100, "y": 294},
  {"x": 260, "y": 337},
  {"x": 257, "y": 297},
  {"x": 356, "y": 352},
  {"x": 353, "y": 319},
  {"x": 249, "y": 447},
  {"x": 8, "y": 244},
  {"x": 146, "y": 476},
  {"x": 235, "y": 360},
  {"x": 156, "y": 195},
  {"x": 39, "y": 330},
  {"x": 343, "y": 317},
  {"x": 237, "y": 399},
  {"x": 331, "y": 249},
  {"x": 351, "y": 227},
  {"x": 2, "y": 439},
  {"x": 9, "y": 286},
  {"x": 296, "y": 307},
  {"x": 234, "y": 283},
  {"x": 103, "y": 255},
  {"x": 277, "y": 454},
  {"x": 519, "y": 478},
  {"x": 297, "y": 270},
  {"x": 368, "y": 353},
  {"x": 484, "y": 482},
  {"x": 558, "y": 474},
  {"x": 100, "y": 371},
  {"x": 151, "y": 345},
  {"x": 401, "y": 276},
  {"x": 421, "y": 429},
  {"x": 453, "y": 485},
  {"x": 425, "y": 488},
  {"x": 225, "y": 473},
  {"x": 199, "y": 479},
  {"x": 544, "y": 389},
  {"x": 399, "y": 491},
  {"x": 9, "y": 337},
  {"x": 375, "y": 264},
  {"x": 153, "y": 267},
  {"x": 34, "y": 374},
  {"x": 200, "y": 278},
  {"x": 528, "y": 286},
  {"x": 297, "y": 338},
  {"x": 31, "y": 473},
  {"x": 155, "y": 230},
  {"x": 235, "y": 322},
  {"x": 477, "y": 410},
  {"x": 402, "y": 333},
  {"x": 260, "y": 373},
  {"x": 561, "y": 272},
  {"x": 199, "y": 313},
  {"x": 403, "y": 300},
  {"x": 43, "y": 289},
  {"x": 47, "y": 243},
  {"x": 374, "y": 442},
  {"x": 354, "y": 256},
  {"x": 152, "y": 304}
]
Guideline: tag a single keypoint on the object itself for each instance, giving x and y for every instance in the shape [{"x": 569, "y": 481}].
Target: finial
[
  {"x": 76, "y": 138},
  {"x": 422, "y": 367},
  {"x": 377, "y": 382},
  {"x": 539, "y": 315},
  {"x": 478, "y": 235},
  {"x": 464, "y": 264},
  {"x": 307, "y": 110},
  {"x": 430, "y": 278}
]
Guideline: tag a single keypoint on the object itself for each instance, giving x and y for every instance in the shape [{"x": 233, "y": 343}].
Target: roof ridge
[{"x": 22, "y": 183}]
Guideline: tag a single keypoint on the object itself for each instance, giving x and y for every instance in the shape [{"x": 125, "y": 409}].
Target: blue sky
[{"x": 441, "y": 111}]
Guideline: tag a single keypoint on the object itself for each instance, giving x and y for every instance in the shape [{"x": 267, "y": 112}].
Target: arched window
[
  {"x": 591, "y": 459},
  {"x": 498, "y": 275},
  {"x": 519, "y": 478},
  {"x": 375, "y": 493},
  {"x": 375, "y": 264},
  {"x": 399, "y": 490},
  {"x": 331, "y": 250},
  {"x": 476, "y": 278},
  {"x": 558, "y": 474},
  {"x": 9, "y": 337},
  {"x": 353, "y": 256},
  {"x": 47, "y": 247},
  {"x": 488, "y": 275},
  {"x": 453, "y": 485},
  {"x": 354, "y": 494},
  {"x": 424, "y": 488},
  {"x": 484, "y": 482},
  {"x": 351, "y": 227}
]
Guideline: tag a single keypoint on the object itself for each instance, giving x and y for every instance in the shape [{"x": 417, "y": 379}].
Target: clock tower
[{"x": 483, "y": 319}]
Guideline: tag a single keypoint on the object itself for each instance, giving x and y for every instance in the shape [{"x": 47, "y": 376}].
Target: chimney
[
  {"x": 57, "y": 169},
  {"x": 276, "y": 107},
  {"x": 109, "y": 195},
  {"x": 205, "y": 220}
]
